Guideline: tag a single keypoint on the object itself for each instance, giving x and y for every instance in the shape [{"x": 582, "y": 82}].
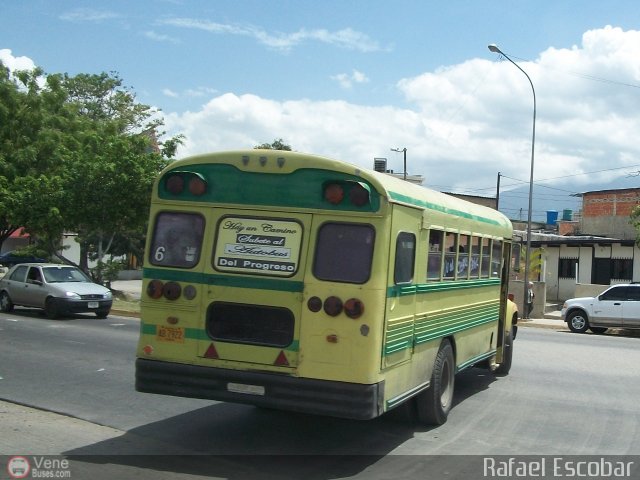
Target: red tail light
[
  {"x": 334, "y": 193},
  {"x": 333, "y": 306},
  {"x": 197, "y": 186},
  {"x": 175, "y": 184},
  {"x": 359, "y": 195},
  {"x": 314, "y": 304},
  {"x": 171, "y": 290},
  {"x": 154, "y": 289},
  {"x": 354, "y": 308}
]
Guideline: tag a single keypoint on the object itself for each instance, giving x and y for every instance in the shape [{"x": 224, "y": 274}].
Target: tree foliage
[
  {"x": 77, "y": 154},
  {"x": 277, "y": 144}
]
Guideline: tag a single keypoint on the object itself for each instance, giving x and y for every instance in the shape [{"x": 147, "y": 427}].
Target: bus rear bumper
[{"x": 318, "y": 397}]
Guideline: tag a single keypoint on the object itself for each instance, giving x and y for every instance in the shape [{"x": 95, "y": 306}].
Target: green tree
[
  {"x": 36, "y": 135},
  {"x": 76, "y": 154},
  {"x": 277, "y": 144},
  {"x": 108, "y": 179}
]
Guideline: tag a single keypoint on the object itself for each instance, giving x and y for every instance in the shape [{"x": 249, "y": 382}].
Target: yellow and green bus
[{"x": 297, "y": 282}]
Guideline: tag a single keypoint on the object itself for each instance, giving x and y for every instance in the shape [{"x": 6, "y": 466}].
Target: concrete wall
[{"x": 589, "y": 290}]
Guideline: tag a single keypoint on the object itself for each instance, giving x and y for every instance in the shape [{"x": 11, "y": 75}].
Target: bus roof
[{"x": 440, "y": 209}]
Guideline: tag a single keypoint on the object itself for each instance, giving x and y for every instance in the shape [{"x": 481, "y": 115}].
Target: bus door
[
  {"x": 402, "y": 288},
  {"x": 253, "y": 297}
]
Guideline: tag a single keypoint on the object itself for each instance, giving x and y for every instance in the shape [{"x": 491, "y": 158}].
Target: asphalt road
[{"x": 567, "y": 394}]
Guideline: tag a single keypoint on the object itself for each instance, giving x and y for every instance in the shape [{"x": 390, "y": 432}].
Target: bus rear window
[
  {"x": 344, "y": 252},
  {"x": 177, "y": 239}
]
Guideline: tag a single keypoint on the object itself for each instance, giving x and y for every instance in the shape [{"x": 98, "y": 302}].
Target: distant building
[
  {"x": 606, "y": 212},
  {"x": 597, "y": 246}
]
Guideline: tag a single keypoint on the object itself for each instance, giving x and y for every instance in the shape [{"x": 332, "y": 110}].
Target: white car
[
  {"x": 616, "y": 307},
  {"x": 58, "y": 289}
]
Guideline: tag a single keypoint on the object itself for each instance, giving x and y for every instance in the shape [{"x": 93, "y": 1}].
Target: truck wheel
[
  {"x": 577, "y": 322},
  {"x": 507, "y": 356}
]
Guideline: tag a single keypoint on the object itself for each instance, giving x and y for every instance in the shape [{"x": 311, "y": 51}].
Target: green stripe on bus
[
  {"x": 402, "y": 290},
  {"x": 405, "y": 335},
  {"x": 224, "y": 280},
  {"x": 440, "y": 208}
]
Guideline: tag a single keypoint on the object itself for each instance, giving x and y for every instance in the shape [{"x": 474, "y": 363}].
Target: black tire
[
  {"x": 51, "y": 309},
  {"x": 102, "y": 313},
  {"x": 578, "y": 322},
  {"x": 6, "y": 305},
  {"x": 598, "y": 329},
  {"x": 434, "y": 404},
  {"x": 507, "y": 356}
]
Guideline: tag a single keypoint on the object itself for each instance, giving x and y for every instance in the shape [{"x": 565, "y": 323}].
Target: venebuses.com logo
[{"x": 20, "y": 466}]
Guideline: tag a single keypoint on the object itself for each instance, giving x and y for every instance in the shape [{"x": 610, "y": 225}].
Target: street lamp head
[{"x": 494, "y": 48}]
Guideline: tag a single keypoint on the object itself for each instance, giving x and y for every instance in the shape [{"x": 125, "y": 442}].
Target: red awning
[{"x": 20, "y": 233}]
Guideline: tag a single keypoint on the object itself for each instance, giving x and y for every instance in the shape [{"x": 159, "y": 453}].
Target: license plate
[
  {"x": 93, "y": 305},
  {"x": 248, "y": 389},
  {"x": 170, "y": 334}
]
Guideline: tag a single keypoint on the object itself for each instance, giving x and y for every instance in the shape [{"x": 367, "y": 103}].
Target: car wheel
[
  {"x": 6, "y": 305},
  {"x": 598, "y": 329},
  {"x": 507, "y": 356},
  {"x": 51, "y": 309},
  {"x": 577, "y": 322},
  {"x": 434, "y": 404},
  {"x": 102, "y": 313}
]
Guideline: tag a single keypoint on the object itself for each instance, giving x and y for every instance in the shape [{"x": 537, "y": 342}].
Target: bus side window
[
  {"x": 405, "y": 258},
  {"x": 463, "y": 257},
  {"x": 434, "y": 259},
  {"x": 496, "y": 259},
  {"x": 486, "y": 258},
  {"x": 451, "y": 249},
  {"x": 474, "y": 265}
]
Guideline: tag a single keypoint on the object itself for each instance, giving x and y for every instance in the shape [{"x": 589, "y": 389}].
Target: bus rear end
[{"x": 264, "y": 284}]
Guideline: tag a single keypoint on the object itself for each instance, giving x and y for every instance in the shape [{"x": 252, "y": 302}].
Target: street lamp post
[
  {"x": 404, "y": 150},
  {"x": 494, "y": 48}
]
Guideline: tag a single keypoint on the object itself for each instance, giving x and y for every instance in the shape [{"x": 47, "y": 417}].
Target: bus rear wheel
[{"x": 434, "y": 404}]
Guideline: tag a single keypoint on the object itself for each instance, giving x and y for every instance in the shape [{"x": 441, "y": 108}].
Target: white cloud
[
  {"x": 81, "y": 15},
  {"x": 158, "y": 37},
  {"x": 346, "y": 38},
  {"x": 15, "y": 63},
  {"x": 347, "y": 80},
  {"x": 465, "y": 123},
  {"x": 167, "y": 92}
]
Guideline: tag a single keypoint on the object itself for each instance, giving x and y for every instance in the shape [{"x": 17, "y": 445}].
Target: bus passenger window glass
[
  {"x": 463, "y": 257},
  {"x": 405, "y": 258},
  {"x": 434, "y": 260},
  {"x": 177, "y": 239},
  {"x": 451, "y": 248},
  {"x": 486, "y": 258},
  {"x": 344, "y": 252},
  {"x": 496, "y": 259},
  {"x": 474, "y": 264}
]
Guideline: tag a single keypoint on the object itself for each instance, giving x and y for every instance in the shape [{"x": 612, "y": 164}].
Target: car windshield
[{"x": 64, "y": 274}]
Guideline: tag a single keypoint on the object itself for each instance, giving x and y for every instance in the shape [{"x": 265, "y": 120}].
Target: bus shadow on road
[{"x": 237, "y": 442}]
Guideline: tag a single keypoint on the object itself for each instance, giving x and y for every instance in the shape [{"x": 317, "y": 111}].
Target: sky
[{"x": 354, "y": 79}]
